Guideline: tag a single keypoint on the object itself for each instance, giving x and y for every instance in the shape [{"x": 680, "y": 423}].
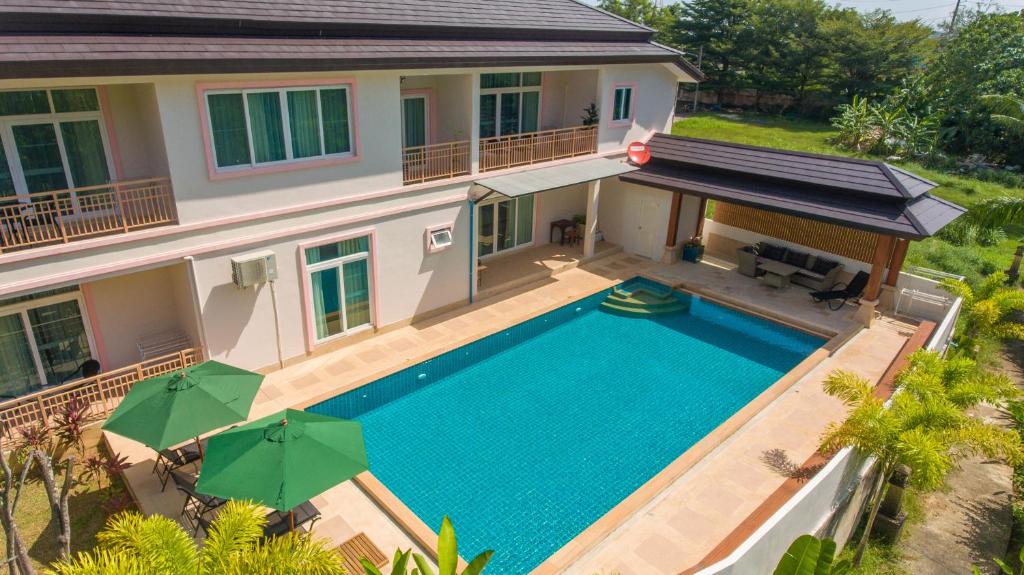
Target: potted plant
[{"x": 693, "y": 250}]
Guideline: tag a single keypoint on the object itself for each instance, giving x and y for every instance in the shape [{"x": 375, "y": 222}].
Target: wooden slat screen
[{"x": 826, "y": 237}]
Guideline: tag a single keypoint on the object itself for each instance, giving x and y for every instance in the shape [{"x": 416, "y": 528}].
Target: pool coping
[{"x": 598, "y": 530}]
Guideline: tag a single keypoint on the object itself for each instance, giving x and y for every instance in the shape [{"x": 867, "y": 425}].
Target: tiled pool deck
[{"x": 683, "y": 519}]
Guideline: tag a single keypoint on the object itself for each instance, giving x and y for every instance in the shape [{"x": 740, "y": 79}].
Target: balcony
[
  {"x": 535, "y": 147},
  {"x": 435, "y": 162},
  {"x": 62, "y": 216}
]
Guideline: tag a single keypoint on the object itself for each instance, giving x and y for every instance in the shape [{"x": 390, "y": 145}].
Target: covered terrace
[{"x": 860, "y": 210}]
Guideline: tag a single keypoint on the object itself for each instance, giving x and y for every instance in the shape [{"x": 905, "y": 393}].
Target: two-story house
[{"x": 371, "y": 157}]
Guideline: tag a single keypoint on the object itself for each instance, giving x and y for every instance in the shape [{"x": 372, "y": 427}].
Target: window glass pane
[
  {"x": 227, "y": 123},
  {"x": 337, "y": 250},
  {"x": 26, "y": 102},
  {"x": 76, "y": 100},
  {"x": 531, "y": 79},
  {"x": 486, "y": 230},
  {"x": 304, "y": 123},
  {"x": 617, "y": 108},
  {"x": 508, "y": 80},
  {"x": 531, "y": 111},
  {"x": 334, "y": 107},
  {"x": 40, "y": 157},
  {"x": 488, "y": 110},
  {"x": 414, "y": 122},
  {"x": 326, "y": 303},
  {"x": 86, "y": 157},
  {"x": 6, "y": 179},
  {"x": 524, "y": 220},
  {"x": 19, "y": 375},
  {"x": 627, "y": 98},
  {"x": 509, "y": 114},
  {"x": 506, "y": 225},
  {"x": 357, "y": 293},
  {"x": 60, "y": 338},
  {"x": 267, "y": 127}
]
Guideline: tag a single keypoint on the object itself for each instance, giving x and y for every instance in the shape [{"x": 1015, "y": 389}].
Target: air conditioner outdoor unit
[{"x": 255, "y": 268}]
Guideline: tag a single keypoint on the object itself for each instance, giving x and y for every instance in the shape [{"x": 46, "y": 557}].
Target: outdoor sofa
[{"x": 816, "y": 272}]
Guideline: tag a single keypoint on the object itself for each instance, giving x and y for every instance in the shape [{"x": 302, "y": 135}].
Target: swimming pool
[{"x": 526, "y": 437}]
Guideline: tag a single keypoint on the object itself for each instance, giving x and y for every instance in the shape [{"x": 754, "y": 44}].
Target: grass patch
[
  {"x": 973, "y": 261},
  {"x": 87, "y": 507}
]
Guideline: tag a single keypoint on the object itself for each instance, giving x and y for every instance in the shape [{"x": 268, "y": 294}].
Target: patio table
[{"x": 777, "y": 274}]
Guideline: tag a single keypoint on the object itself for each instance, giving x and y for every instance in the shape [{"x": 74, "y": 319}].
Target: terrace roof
[
  {"x": 550, "y": 178},
  {"x": 861, "y": 194}
]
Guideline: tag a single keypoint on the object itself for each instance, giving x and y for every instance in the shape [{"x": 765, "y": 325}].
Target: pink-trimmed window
[
  {"x": 269, "y": 127},
  {"x": 622, "y": 104},
  {"x": 340, "y": 286}
]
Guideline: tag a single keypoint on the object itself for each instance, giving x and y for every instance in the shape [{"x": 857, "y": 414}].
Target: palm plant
[
  {"x": 998, "y": 211},
  {"x": 808, "y": 555},
  {"x": 854, "y": 122},
  {"x": 447, "y": 558},
  {"x": 924, "y": 428},
  {"x": 988, "y": 311},
  {"x": 132, "y": 544},
  {"x": 1008, "y": 111}
]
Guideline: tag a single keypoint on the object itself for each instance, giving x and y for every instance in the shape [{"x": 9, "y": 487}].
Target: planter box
[{"x": 693, "y": 253}]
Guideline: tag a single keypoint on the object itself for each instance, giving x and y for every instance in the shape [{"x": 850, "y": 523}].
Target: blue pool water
[{"x": 526, "y": 437}]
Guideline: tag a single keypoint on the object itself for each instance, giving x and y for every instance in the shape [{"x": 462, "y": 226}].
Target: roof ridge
[
  {"x": 888, "y": 173},
  {"x": 607, "y": 13}
]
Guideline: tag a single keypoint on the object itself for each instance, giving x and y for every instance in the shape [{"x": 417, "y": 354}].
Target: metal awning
[{"x": 543, "y": 179}]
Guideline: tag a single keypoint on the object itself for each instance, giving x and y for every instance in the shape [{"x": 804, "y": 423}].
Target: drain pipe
[{"x": 472, "y": 233}]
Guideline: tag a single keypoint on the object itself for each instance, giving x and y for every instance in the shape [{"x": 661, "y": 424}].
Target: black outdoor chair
[
  {"x": 196, "y": 504},
  {"x": 838, "y": 296},
  {"x": 277, "y": 521},
  {"x": 171, "y": 459}
]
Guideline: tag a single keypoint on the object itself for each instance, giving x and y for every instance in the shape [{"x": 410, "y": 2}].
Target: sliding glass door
[
  {"x": 504, "y": 225},
  {"x": 43, "y": 341},
  {"x": 414, "y": 121},
  {"x": 339, "y": 276}
]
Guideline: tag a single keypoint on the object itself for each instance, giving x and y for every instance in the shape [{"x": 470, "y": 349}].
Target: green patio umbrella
[
  {"x": 283, "y": 459},
  {"x": 171, "y": 408}
]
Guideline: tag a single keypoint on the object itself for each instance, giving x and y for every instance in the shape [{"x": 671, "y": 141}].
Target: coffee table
[{"x": 777, "y": 274}]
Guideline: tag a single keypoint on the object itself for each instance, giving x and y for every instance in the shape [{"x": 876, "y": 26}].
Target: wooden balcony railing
[
  {"x": 435, "y": 162},
  {"x": 31, "y": 220},
  {"x": 102, "y": 392},
  {"x": 531, "y": 148}
]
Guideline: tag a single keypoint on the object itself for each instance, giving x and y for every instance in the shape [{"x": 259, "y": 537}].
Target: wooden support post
[
  {"x": 883, "y": 247},
  {"x": 673, "y": 220},
  {"x": 701, "y": 211},
  {"x": 899, "y": 253}
]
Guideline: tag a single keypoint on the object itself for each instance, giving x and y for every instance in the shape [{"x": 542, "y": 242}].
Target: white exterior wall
[
  {"x": 560, "y": 204},
  {"x": 654, "y": 97},
  {"x": 620, "y": 218}
]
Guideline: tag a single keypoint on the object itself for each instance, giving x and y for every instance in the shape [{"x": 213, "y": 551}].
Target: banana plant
[
  {"x": 447, "y": 558},
  {"x": 809, "y": 555}
]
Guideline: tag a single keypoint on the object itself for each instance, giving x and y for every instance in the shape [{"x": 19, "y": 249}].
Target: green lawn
[{"x": 973, "y": 261}]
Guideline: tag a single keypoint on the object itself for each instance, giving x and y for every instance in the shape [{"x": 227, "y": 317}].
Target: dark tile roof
[
  {"x": 59, "y": 56},
  {"x": 235, "y": 15},
  {"x": 855, "y": 193}
]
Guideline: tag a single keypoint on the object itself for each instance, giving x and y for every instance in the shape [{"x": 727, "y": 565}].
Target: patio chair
[
  {"x": 279, "y": 524},
  {"x": 196, "y": 504},
  {"x": 171, "y": 459},
  {"x": 838, "y": 296}
]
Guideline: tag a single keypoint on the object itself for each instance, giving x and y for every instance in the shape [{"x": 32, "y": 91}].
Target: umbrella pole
[
  {"x": 199, "y": 445},
  {"x": 291, "y": 520}
]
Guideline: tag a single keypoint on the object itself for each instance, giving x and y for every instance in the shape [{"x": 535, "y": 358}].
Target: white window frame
[
  {"x": 434, "y": 244},
  {"x": 514, "y": 90},
  {"x": 7, "y": 124},
  {"x": 627, "y": 116},
  {"x": 21, "y": 308},
  {"x": 285, "y": 124},
  {"x": 492, "y": 204},
  {"x": 338, "y": 263}
]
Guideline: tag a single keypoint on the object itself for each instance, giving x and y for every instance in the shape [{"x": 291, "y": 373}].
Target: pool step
[{"x": 642, "y": 302}]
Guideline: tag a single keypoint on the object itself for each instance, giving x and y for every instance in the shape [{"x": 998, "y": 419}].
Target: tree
[
  {"x": 988, "y": 311},
  {"x": 722, "y": 29},
  {"x": 1008, "y": 111},
  {"x": 132, "y": 544},
  {"x": 808, "y": 555},
  {"x": 447, "y": 558},
  {"x": 644, "y": 12},
  {"x": 925, "y": 427}
]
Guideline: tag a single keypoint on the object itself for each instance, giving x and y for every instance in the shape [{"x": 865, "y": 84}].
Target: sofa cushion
[
  {"x": 771, "y": 252},
  {"x": 811, "y": 274},
  {"x": 811, "y": 260},
  {"x": 823, "y": 266},
  {"x": 795, "y": 258}
]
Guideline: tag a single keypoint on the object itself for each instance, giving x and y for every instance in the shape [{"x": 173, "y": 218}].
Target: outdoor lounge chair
[
  {"x": 196, "y": 504},
  {"x": 171, "y": 459},
  {"x": 278, "y": 523},
  {"x": 853, "y": 290}
]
